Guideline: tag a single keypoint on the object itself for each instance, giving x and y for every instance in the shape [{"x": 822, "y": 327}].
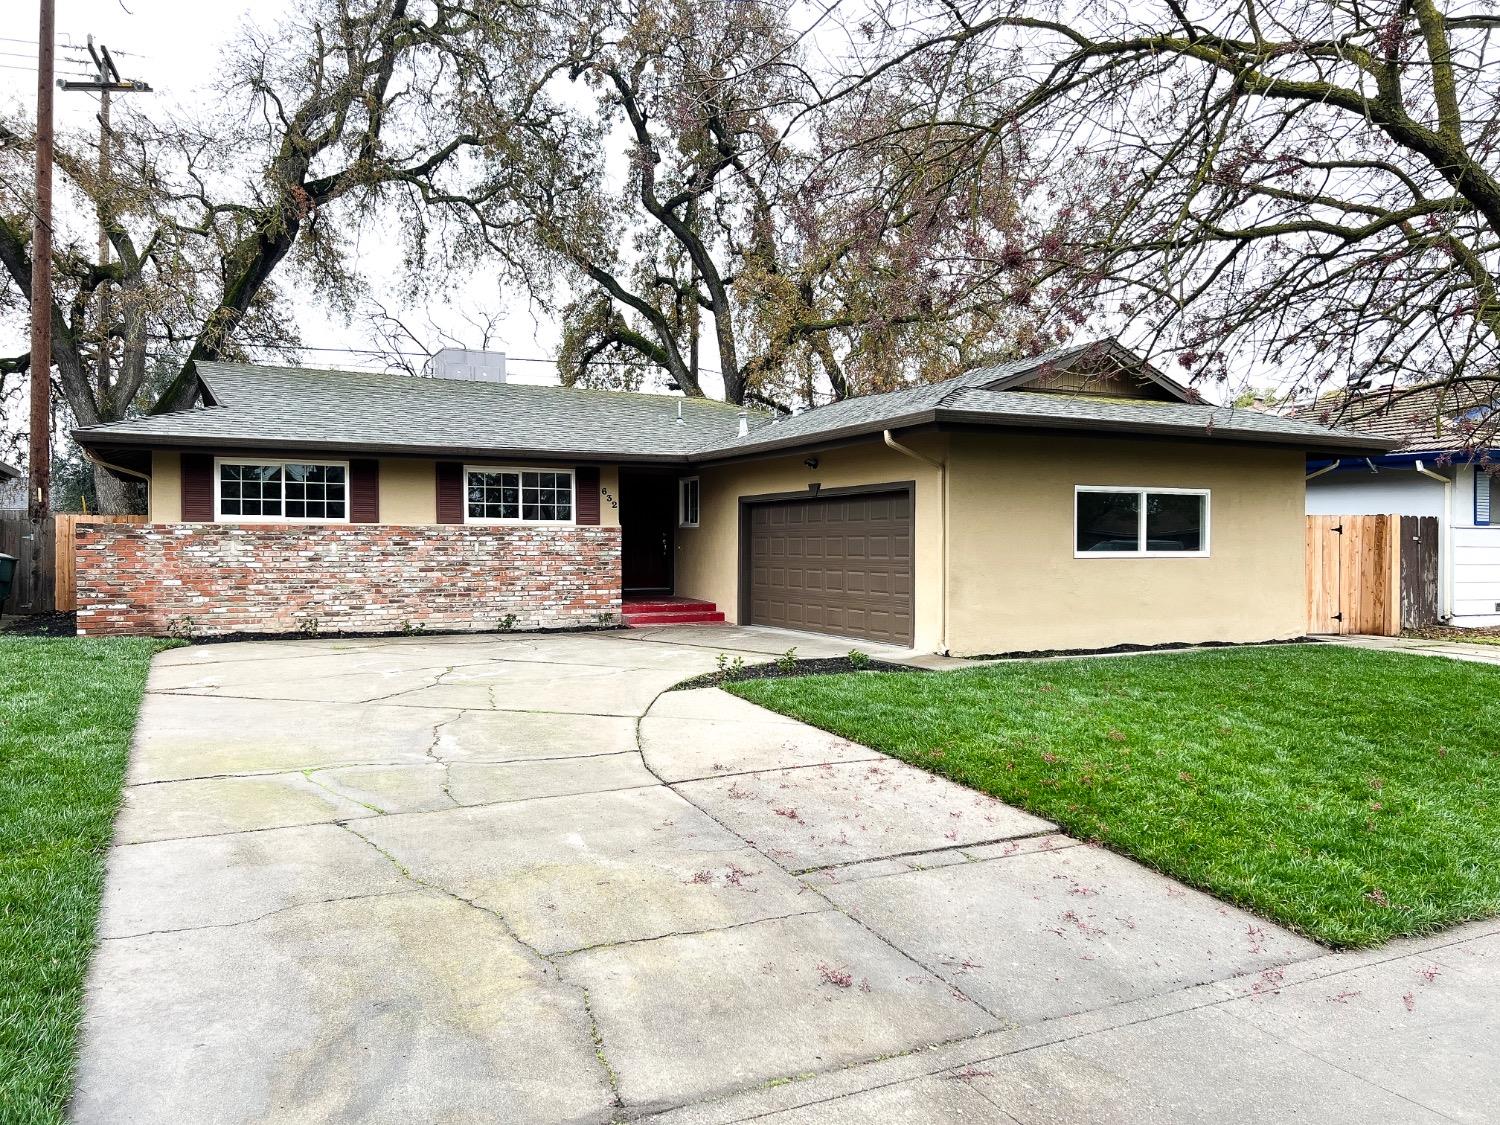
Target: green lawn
[
  {"x": 67, "y": 707},
  {"x": 1352, "y": 795}
]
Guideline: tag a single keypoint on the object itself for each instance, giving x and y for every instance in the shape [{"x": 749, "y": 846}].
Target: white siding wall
[
  {"x": 1359, "y": 492},
  {"x": 1476, "y": 559}
]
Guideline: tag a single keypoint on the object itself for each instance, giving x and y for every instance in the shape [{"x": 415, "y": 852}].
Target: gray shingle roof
[
  {"x": 9, "y": 471},
  {"x": 297, "y": 408}
]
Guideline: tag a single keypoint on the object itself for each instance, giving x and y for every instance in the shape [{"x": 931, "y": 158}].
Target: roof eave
[
  {"x": 1334, "y": 443},
  {"x": 93, "y": 437}
]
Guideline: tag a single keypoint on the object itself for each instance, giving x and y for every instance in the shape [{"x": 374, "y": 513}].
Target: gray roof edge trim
[
  {"x": 819, "y": 437},
  {"x": 1333, "y": 441},
  {"x": 89, "y": 436}
]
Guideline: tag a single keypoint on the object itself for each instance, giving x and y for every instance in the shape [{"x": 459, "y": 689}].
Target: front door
[{"x": 648, "y": 525}]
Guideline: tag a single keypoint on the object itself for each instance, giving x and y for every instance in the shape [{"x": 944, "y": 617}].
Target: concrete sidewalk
[
  {"x": 1452, "y": 650},
  {"x": 515, "y": 878}
]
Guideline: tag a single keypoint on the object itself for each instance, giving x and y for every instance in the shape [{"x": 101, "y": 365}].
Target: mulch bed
[
  {"x": 1484, "y": 634},
  {"x": 779, "y": 669},
  {"x": 40, "y": 625},
  {"x": 1171, "y": 646}
]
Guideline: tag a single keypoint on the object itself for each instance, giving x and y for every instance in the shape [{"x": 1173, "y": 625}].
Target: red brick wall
[{"x": 210, "y": 579}]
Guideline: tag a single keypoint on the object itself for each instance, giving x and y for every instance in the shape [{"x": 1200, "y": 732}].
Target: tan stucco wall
[
  {"x": 708, "y": 555},
  {"x": 1015, "y": 582},
  {"x": 609, "y": 496},
  {"x": 408, "y": 490},
  {"x": 164, "y": 497}
]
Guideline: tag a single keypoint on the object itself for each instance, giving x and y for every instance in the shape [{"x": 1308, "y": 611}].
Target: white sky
[{"x": 175, "y": 46}]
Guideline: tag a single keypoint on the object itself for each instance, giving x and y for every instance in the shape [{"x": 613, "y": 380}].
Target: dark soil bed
[
  {"x": 780, "y": 669},
  {"x": 40, "y": 625},
  {"x": 1484, "y": 635},
  {"x": 342, "y": 635},
  {"x": 1039, "y": 653}
]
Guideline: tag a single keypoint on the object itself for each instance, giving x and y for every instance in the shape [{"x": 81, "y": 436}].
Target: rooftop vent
[{"x": 468, "y": 363}]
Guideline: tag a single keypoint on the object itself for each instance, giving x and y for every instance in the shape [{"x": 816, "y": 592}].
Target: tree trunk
[{"x": 115, "y": 496}]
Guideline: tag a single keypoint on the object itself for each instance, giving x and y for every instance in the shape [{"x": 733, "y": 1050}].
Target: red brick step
[{"x": 670, "y": 611}]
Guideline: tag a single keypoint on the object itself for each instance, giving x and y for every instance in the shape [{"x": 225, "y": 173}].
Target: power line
[{"x": 382, "y": 352}]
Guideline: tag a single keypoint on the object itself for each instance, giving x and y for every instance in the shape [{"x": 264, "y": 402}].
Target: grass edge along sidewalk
[{"x": 1351, "y": 795}]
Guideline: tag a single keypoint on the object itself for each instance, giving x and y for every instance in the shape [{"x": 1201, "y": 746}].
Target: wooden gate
[
  {"x": 1419, "y": 571},
  {"x": 1353, "y": 575}
]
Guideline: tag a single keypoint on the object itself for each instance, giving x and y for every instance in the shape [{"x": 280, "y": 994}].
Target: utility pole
[
  {"x": 107, "y": 81},
  {"x": 39, "y": 457}
]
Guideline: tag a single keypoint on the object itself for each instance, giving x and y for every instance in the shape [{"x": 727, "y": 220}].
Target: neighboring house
[
  {"x": 1439, "y": 467},
  {"x": 1077, "y": 500},
  {"x": 12, "y": 486}
]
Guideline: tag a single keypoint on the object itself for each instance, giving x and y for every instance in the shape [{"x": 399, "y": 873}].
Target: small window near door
[
  {"x": 1484, "y": 485},
  {"x": 687, "y": 502},
  {"x": 1140, "y": 522}
]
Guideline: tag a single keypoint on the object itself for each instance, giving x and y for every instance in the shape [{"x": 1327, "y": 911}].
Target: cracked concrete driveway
[{"x": 512, "y": 878}]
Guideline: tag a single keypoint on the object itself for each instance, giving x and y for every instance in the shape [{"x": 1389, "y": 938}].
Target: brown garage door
[{"x": 834, "y": 565}]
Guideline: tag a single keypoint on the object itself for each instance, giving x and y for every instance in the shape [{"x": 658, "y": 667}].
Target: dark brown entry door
[
  {"x": 837, "y": 565},
  {"x": 648, "y": 524}
]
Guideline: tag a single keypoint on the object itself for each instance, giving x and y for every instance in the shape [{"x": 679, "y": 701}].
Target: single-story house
[
  {"x": 1439, "y": 465},
  {"x": 1079, "y": 499}
]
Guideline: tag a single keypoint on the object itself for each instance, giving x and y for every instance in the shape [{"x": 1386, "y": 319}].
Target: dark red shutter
[
  {"x": 450, "y": 492},
  {"x": 197, "y": 488},
  {"x": 586, "y": 494},
  {"x": 364, "y": 491}
]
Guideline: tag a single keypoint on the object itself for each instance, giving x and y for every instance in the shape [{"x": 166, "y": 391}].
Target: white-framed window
[
  {"x": 266, "y": 490},
  {"x": 516, "y": 495},
  {"x": 687, "y": 502},
  {"x": 1114, "y": 521}
]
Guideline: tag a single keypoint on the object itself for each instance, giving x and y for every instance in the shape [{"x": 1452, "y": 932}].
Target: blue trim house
[{"x": 1445, "y": 467}]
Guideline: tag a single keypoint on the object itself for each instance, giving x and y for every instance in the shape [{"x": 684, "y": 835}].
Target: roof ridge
[{"x": 395, "y": 378}]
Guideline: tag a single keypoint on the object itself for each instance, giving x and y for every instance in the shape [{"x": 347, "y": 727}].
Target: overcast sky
[{"x": 175, "y": 45}]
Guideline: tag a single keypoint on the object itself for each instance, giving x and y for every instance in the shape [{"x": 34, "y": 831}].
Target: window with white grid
[
  {"x": 282, "y": 491},
  {"x": 518, "y": 495}
]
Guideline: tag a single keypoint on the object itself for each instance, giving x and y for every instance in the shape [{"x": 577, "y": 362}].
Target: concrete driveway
[{"x": 513, "y": 878}]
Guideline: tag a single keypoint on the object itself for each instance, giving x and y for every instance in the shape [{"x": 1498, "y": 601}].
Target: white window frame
[
  {"x": 1141, "y": 490},
  {"x": 282, "y": 462},
  {"x": 572, "y": 491},
  {"x": 682, "y": 483}
]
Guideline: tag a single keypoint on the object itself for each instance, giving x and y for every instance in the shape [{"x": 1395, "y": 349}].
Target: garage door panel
[{"x": 841, "y": 565}]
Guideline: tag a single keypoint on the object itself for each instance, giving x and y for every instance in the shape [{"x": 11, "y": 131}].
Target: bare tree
[
  {"x": 743, "y": 214},
  {"x": 1309, "y": 186},
  {"x": 344, "y": 113}
]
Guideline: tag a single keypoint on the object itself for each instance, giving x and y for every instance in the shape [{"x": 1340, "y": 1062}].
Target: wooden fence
[
  {"x": 44, "y": 580},
  {"x": 1371, "y": 574}
]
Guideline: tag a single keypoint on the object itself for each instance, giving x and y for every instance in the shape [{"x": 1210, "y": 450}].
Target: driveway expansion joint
[{"x": 960, "y": 848}]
